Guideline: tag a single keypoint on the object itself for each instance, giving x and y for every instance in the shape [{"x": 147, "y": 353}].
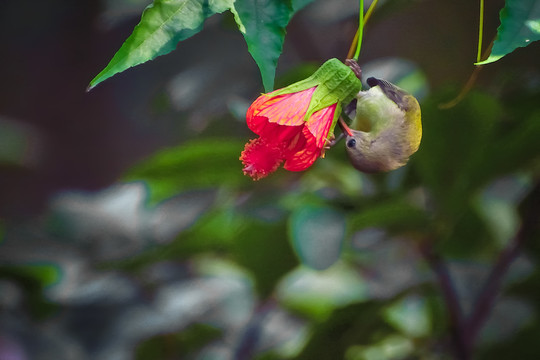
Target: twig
[
  {"x": 247, "y": 344},
  {"x": 464, "y": 331},
  {"x": 490, "y": 290},
  {"x": 470, "y": 82},
  {"x": 486, "y": 299},
  {"x": 450, "y": 298}
]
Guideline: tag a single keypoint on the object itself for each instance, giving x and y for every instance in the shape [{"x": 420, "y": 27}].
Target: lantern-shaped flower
[{"x": 294, "y": 123}]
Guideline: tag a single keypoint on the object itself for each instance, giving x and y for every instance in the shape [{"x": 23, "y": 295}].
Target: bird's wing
[{"x": 391, "y": 91}]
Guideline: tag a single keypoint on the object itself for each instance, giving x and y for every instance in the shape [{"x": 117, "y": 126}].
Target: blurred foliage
[
  {"x": 317, "y": 234},
  {"x": 34, "y": 279},
  {"x": 185, "y": 257},
  {"x": 359, "y": 324},
  {"x": 198, "y": 164},
  {"x": 177, "y": 345}
]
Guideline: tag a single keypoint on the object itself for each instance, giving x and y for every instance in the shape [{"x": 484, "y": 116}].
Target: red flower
[
  {"x": 284, "y": 135},
  {"x": 295, "y": 122}
]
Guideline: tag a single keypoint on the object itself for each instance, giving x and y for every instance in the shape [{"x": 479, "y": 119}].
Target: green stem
[
  {"x": 360, "y": 30},
  {"x": 370, "y": 10},
  {"x": 480, "y": 32}
]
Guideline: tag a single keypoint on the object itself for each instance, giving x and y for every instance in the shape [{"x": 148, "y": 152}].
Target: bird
[{"x": 386, "y": 130}]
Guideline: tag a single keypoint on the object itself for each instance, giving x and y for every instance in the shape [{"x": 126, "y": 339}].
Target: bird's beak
[{"x": 344, "y": 127}]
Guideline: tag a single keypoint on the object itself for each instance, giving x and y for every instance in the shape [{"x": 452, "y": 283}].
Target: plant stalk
[{"x": 356, "y": 43}]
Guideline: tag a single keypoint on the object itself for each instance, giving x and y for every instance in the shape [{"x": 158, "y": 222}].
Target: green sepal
[
  {"x": 335, "y": 119},
  {"x": 335, "y": 82}
]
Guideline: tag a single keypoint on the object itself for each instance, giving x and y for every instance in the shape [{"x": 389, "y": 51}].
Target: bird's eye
[{"x": 351, "y": 143}]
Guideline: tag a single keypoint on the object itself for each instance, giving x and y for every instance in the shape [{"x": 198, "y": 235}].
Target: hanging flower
[{"x": 295, "y": 123}]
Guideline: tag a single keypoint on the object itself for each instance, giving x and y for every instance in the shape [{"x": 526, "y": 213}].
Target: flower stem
[
  {"x": 363, "y": 19},
  {"x": 360, "y": 30},
  {"x": 480, "y": 32},
  {"x": 470, "y": 83}
]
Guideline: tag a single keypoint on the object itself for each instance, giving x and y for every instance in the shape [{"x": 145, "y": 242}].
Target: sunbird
[{"x": 386, "y": 130}]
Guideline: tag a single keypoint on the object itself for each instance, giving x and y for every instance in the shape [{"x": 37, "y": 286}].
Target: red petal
[
  {"x": 305, "y": 156},
  {"x": 261, "y": 158},
  {"x": 275, "y": 133},
  {"x": 287, "y": 109},
  {"x": 315, "y": 134},
  {"x": 284, "y": 135}
]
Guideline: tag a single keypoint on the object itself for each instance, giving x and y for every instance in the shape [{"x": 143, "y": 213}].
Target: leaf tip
[
  {"x": 95, "y": 82},
  {"x": 489, "y": 60}
]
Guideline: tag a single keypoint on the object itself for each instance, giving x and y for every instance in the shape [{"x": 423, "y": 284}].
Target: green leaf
[
  {"x": 261, "y": 247},
  {"x": 394, "y": 214},
  {"x": 466, "y": 234},
  {"x": 317, "y": 235},
  {"x": 195, "y": 165},
  {"x": 353, "y": 325},
  {"x": 300, "y": 4},
  {"x": 264, "y": 22},
  {"x": 317, "y": 294},
  {"x": 46, "y": 274},
  {"x": 520, "y": 26},
  {"x": 163, "y": 24},
  {"x": 410, "y": 315},
  {"x": 33, "y": 278}
]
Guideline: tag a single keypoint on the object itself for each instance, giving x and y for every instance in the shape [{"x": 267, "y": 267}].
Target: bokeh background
[{"x": 127, "y": 230}]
